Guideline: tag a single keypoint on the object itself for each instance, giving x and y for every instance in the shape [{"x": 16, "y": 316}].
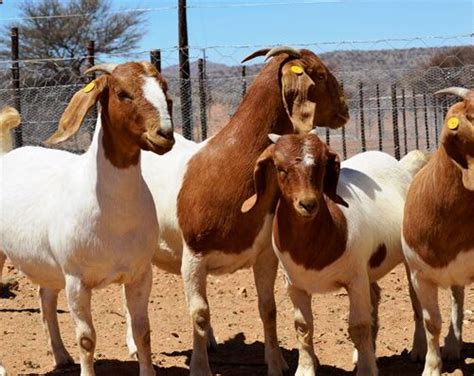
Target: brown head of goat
[
  {"x": 307, "y": 170},
  {"x": 135, "y": 111},
  {"x": 457, "y": 136}
]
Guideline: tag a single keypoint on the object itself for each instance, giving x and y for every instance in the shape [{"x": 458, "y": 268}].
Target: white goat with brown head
[
  {"x": 79, "y": 222},
  {"x": 438, "y": 236},
  {"x": 334, "y": 227}
]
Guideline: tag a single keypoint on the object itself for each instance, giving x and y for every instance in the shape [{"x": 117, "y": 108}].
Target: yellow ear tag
[
  {"x": 89, "y": 87},
  {"x": 453, "y": 123},
  {"x": 297, "y": 69}
]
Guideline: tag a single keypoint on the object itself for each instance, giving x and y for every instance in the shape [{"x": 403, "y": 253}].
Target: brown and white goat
[
  {"x": 438, "y": 236},
  {"x": 329, "y": 232},
  {"x": 293, "y": 93}
]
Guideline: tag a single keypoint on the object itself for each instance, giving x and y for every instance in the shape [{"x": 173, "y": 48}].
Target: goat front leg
[
  {"x": 427, "y": 293},
  {"x": 360, "y": 325},
  {"x": 307, "y": 361},
  {"x": 453, "y": 341},
  {"x": 136, "y": 297},
  {"x": 79, "y": 301},
  {"x": 49, "y": 304},
  {"x": 265, "y": 271},
  {"x": 418, "y": 350},
  {"x": 194, "y": 273}
]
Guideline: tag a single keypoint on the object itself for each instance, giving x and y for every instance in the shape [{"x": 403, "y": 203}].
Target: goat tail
[
  {"x": 414, "y": 161},
  {"x": 9, "y": 119}
]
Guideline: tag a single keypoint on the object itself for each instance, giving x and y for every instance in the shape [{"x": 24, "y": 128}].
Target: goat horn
[
  {"x": 283, "y": 50},
  {"x": 459, "y": 91},
  {"x": 106, "y": 68},
  {"x": 254, "y": 54}
]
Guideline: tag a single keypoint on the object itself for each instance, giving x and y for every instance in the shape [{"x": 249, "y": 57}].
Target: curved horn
[
  {"x": 261, "y": 52},
  {"x": 274, "y": 137},
  {"x": 283, "y": 50},
  {"x": 106, "y": 68},
  {"x": 459, "y": 91}
]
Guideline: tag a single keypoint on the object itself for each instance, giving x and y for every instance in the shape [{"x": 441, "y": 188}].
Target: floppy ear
[
  {"x": 77, "y": 110},
  {"x": 259, "y": 178},
  {"x": 468, "y": 174},
  {"x": 333, "y": 168},
  {"x": 296, "y": 89}
]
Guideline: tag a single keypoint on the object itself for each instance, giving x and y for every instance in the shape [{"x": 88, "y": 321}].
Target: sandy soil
[{"x": 24, "y": 348}]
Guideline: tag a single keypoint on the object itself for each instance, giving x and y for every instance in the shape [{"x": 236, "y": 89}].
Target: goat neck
[{"x": 313, "y": 243}]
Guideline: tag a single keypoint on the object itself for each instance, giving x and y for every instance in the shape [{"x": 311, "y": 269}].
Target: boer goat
[
  {"x": 293, "y": 92},
  {"x": 438, "y": 236},
  {"x": 79, "y": 222},
  {"x": 334, "y": 228}
]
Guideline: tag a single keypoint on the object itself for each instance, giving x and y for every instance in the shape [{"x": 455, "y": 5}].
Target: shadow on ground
[{"x": 236, "y": 358}]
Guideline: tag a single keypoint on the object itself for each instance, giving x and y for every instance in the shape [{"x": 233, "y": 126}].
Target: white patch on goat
[
  {"x": 155, "y": 95},
  {"x": 308, "y": 159}
]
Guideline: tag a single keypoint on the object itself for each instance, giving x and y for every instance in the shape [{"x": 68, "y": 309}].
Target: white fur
[
  {"x": 78, "y": 222},
  {"x": 153, "y": 92},
  {"x": 308, "y": 159},
  {"x": 374, "y": 185}
]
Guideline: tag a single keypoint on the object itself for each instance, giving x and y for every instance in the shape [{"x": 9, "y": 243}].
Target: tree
[{"x": 55, "y": 29}]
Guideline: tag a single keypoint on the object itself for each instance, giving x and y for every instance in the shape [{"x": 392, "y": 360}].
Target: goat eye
[
  {"x": 320, "y": 76},
  {"x": 124, "y": 96}
]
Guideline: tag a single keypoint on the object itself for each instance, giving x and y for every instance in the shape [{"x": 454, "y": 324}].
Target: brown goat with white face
[
  {"x": 438, "y": 228},
  {"x": 328, "y": 231}
]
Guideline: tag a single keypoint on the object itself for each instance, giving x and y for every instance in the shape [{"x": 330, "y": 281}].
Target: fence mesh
[{"x": 389, "y": 85}]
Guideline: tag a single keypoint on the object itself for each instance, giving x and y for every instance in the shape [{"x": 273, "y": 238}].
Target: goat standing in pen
[
  {"x": 79, "y": 222},
  {"x": 293, "y": 92},
  {"x": 438, "y": 234},
  {"x": 335, "y": 228}
]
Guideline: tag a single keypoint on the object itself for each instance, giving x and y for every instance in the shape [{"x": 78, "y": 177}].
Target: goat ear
[
  {"x": 259, "y": 179},
  {"x": 77, "y": 110},
  {"x": 331, "y": 178},
  {"x": 296, "y": 88},
  {"x": 468, "y": 174}
]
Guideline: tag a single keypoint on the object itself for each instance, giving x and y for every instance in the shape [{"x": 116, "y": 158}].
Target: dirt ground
[{"x": 24, "y": 349}]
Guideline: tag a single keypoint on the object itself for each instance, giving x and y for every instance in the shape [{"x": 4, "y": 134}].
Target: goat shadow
[
  {"x": 350, "y": 178},
  {"x": 236, "y": 358}
]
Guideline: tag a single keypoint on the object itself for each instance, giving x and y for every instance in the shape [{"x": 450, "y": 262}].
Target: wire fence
[{"x": 389, "y": 85}]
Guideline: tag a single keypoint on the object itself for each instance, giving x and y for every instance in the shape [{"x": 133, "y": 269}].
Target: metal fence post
[
  {"x": 404, "y": 118},
  {"x": 185, "y": 72},
  {"x": 427, "y": 130},
  {"x": 362, "y": 119},
  {"x": 244, "y": 80},
  {"x": 415, "y": 116},
  {"x": 16, "y": 82},
  {"x": 396, "y": 140},
  {"x": 155, "y": 59},
  {"x": 379, "y": 117},
  {"x": 202, "y": 99}
]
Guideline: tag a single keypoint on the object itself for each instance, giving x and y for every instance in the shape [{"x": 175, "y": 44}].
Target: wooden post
[
  {"x": 362, "y": 119},
  {"x": 343, "y": 134},
  {"x": 202, "y": 99},
  {"x": 404, "y": 118},
  {"x": 415, "y": 116},
  {"x": 184, "y": 72},
  {"x": 155, "y": 59},
  {"x": 396, "y": 137},
  {"x": 16, "y": 82}
]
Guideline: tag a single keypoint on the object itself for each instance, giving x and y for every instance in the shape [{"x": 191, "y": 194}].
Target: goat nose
[
  {"x": 165, "y": 133},
  {"x": 309, "y": 205}
]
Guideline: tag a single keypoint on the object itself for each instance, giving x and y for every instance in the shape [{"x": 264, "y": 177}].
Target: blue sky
[{"x": 247, "y": 22}]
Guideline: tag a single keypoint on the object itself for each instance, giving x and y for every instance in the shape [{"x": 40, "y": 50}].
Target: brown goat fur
[
  {"x": 439, "y": 211},
  {"x": 219, "y": 177}
]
